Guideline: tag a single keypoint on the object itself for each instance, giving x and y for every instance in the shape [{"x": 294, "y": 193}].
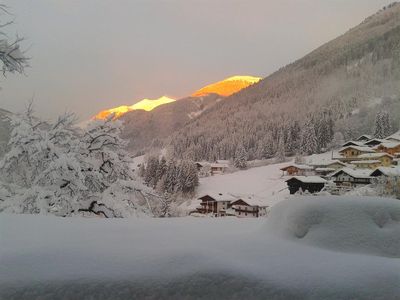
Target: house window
[{"x": 245, "y": 214}]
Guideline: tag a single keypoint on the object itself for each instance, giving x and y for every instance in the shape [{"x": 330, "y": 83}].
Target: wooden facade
[
  {"x": 248, "y": 209},
  {"x": 296, "y": 184}
]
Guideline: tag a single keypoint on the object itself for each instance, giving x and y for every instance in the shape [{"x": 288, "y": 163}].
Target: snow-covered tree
[
  {"x": 308, "y": 143},
  {"x": 382, "y": 125},
  {"x": 57, "y": 168},
  {"x": 280, "y": 152},
  {"x": 240, "y": 160}
]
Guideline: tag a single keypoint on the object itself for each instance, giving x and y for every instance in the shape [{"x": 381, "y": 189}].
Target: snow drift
[
  {"x": 352, "y": 224},
  {"x": 303, "y": 251}
]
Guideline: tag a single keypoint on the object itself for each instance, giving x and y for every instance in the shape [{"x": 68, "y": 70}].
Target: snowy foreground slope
[{"x": 308, "y": 248}]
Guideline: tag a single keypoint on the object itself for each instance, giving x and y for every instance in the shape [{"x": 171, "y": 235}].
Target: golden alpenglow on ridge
[
  {"x": 227, "y": 86},
  {"x": 145, "y": 104}
]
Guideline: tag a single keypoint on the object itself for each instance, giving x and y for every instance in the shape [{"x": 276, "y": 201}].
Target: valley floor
[{"x": 308, "y": 248}]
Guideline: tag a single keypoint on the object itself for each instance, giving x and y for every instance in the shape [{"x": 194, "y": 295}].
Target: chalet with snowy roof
[
  {"x": 390, "y": 147},
  {"x": 249, "y": 207},
  {"x": 364, "y": 138},
  {"x": 373, "y": 142},
  {"x": 347, "y": 177},
  {"x": 352, "y": 152},
  {"x": 312, "y": 184},
  {"x": 366, "y": 164},
  {"x": 218, "y": 168},
  {"x": 386, "y": 171},
  {"x": 215, "y": 204},
  {"x": 330, "y": 164},
  {"x": 297, "y": 170},
  {"x": 382, "y": 159}
]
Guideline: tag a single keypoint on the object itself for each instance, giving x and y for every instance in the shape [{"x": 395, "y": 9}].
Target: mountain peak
[
  {"x": 144, "y": 104},
  {"x": 228, "y": 86}
]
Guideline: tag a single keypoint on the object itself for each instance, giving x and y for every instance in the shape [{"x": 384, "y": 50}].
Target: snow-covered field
[
  {"x": 266, "y": 183},
  {"x": 308, "y": 248}
]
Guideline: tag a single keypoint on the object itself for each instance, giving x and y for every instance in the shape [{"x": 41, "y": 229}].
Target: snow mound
[{"x": 365, "y": 225}]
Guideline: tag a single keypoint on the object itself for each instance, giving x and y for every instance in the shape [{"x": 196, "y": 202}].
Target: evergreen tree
[
  {"x": 308, "y": 144},
  {"x": 280, "y": 153},
  {"x": 240, "y": 160},
  {"x": 382, "y": 125}
]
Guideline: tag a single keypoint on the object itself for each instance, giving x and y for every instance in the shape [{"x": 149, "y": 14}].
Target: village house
[
  {"x": 215, "y": 204},
  {"x": 297, "y": 170},
  {"x": 366, "y": 164},
  {"x": 218, "y": 168},
  {"x": 386, "y": 172},
  {"x": 390, "y": 147},
  {"x": 312, "y": 184},
  {"x": 249, "y": 207},
  {"x": 351, "y": 153},
  {"x": 384, "y": 159},
  {"x": 329, "y": 164},
  {"x": 347, "y": 177}
]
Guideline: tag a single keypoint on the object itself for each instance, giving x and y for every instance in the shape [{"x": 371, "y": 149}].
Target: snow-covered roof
[
  {"x": 373, "y": 155},
  {"x": 300, "y": 167},
  {"x": 373, "y": 141},
  {"x": 222, "y": 161},
  {"x": 395, "y": 136},
  {"x": 308, "y": 179},
  {"x": 365, "y": 162},
  {"x": 388, "y": 144},
  {"x": 253, "y": 201},
  {"x": 356, "y": 173},
  {"x": 388, "y": 171},
  {"x": 219, "y": 197},
  {"x": 366, "y": 136},
  {"x": 354, "y": 143},
  {"x": 218, "y": 165},
  {"x": 365, "y": 149},
  {"x": 325, "y": 169}
]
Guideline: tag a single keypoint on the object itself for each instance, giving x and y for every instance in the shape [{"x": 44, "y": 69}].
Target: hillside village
[{"x": 357, "y": 164}]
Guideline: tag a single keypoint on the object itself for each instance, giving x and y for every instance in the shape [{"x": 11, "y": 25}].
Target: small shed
[{"x": 312, "y": 184}]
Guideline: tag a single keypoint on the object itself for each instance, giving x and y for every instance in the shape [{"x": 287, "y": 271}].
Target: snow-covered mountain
[
  {"x": 342, "y": 85},
  {"x": 144, "y": 129},
  {"x": 144, "y": 104},
  {"x": 228, "y": 86}
]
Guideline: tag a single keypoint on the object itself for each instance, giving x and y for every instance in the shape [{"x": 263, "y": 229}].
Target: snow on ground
[
  {"x": 264, "y": 182},
  {"x": 308, "y": 248}
]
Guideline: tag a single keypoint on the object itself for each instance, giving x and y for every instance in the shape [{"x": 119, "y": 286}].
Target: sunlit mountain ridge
[
  {"x": 222, "y": 88},
  {"x": 227, "y": 86},
  {"x": 145, "y": 104}
]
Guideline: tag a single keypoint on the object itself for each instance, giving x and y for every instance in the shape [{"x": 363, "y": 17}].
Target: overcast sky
[{"x": 88, "y": 55}]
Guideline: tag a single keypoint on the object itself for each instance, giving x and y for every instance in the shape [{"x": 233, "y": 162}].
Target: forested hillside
[
  {"x": 333, "y": 93},
  {"x": 145, "y": 129}
]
